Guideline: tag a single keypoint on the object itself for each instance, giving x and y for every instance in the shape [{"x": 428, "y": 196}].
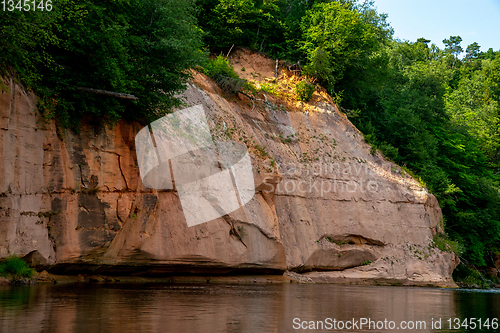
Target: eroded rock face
[{"x": 323, "y": 201}]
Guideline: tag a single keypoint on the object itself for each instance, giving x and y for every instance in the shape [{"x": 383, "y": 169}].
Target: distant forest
[{"x": 433, "y": 111}]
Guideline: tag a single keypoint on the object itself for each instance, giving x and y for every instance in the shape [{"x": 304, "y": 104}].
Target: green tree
[
  {"x": 453, "y": 47},
  {"x": 28, "y": 37},
  {"x": 335, "y": 39},
  {"x": 490, "y": 54},
  {"x": 472, "y": 51},
  {"x": 491, "y": 69},
  {"x": 247, "y": 23},
  {"x": 137, "y": 47},
  {"x": 470, "y": 108}
]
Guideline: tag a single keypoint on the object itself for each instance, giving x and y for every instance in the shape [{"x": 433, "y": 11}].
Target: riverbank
[
  {"x": 288, "y": 277},
  {"x": 466, "y": 278},
  {"x": 47, "y": 278}
]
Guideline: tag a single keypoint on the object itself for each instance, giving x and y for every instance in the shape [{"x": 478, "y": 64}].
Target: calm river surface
[{"x": 238, "y": 308}]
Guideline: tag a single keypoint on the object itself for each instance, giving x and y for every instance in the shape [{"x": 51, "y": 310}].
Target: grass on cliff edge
[
  {"x": 224, "y": 75},
  {"x": 14, "y": 268},
  {"x": 445, "y": 244}
]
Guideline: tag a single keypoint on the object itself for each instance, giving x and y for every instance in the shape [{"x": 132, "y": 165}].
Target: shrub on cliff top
[
  {"x": 220, "y": 66},
  {"x": 304, "y": 90},
  {"x": 442, "y": 242},
  {"x": 223, "y": 73}
]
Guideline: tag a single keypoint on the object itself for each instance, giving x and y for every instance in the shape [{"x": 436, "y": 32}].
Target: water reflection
[{"x": 230, "y": 308}]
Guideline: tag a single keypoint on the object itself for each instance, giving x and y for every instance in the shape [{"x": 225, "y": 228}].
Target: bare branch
[{"x": 108, "y": 93}]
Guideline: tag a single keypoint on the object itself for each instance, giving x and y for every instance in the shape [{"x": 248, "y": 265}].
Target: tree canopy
[
  {"x": 128, "y": 46},
  {"x": 335, "y": 39}
]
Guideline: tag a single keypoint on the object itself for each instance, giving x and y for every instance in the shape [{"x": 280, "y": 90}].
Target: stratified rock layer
[{"x": 325, "y": 206}]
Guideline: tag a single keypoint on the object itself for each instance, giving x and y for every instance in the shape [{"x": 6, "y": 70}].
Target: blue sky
[{"x": 473, "y": 20}]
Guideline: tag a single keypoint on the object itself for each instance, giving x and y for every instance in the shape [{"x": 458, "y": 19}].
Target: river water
[{"x": 243, "y": 308}]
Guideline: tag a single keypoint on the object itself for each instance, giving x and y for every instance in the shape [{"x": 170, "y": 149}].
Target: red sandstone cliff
[{"x": 325, "y": 206}]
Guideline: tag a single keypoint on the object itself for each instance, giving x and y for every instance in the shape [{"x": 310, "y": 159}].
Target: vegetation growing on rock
[
  {"x": 304, "y": 90},
  {"x": 16, "y": 270}
]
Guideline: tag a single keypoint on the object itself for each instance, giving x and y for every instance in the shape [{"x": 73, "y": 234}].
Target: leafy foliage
[
  {"x": 15, "y": 268},
  {"x": 335, "y": 39},
  {"x": 242, "y": 22},
  {"x": 220, "y": 66},
  {"x": 127, "y": 46},
  {"x": 27, "y": 37},
  {"x": 453, "y": 47},
  {"x": 304, "y": 90},
  {"x": 443, "y": 242},
  {"x": 471, "y": 110},
  {"x": 223, "y": 73}
]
